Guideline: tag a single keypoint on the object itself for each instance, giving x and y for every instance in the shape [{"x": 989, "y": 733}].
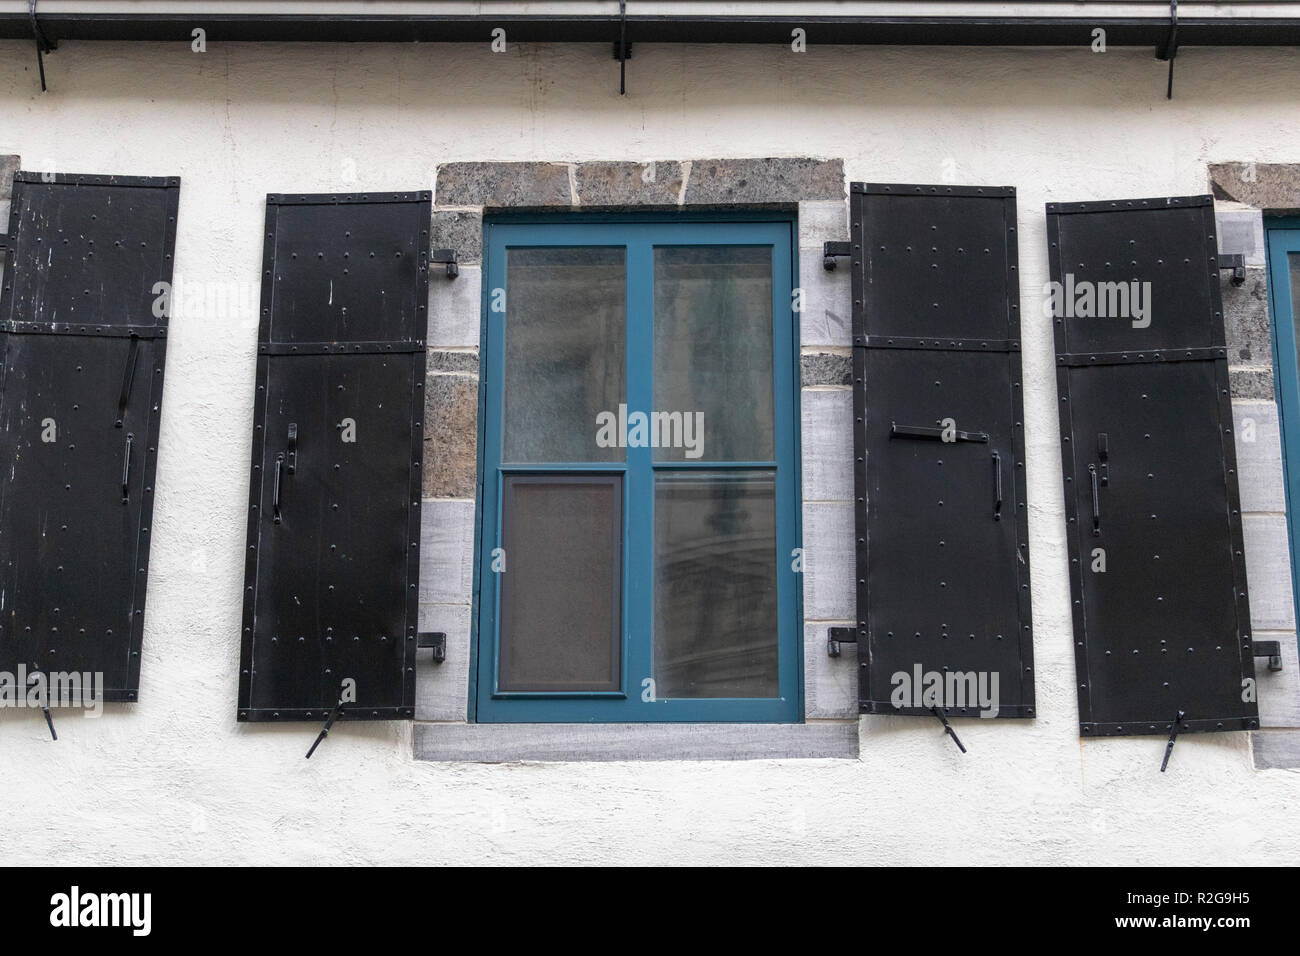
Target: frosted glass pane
[{"x": 565, "y": 351}]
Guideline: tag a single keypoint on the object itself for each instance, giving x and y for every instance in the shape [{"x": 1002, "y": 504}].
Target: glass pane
[
  {"x": 713, "y": 353},
  {"x": 565, "y": 362},
  {"x": 1293, "y": 260},
  {"x": 715, "y": 632},
  {"x": 561, "y": 584}
]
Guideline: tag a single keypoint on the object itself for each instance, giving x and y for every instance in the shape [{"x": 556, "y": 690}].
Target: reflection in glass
[
  {"x": 713, "y": 347},
  {"x": 715, "y": 622}
]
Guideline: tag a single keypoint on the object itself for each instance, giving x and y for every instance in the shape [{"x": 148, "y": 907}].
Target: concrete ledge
[{"x": 512, "y": 743}]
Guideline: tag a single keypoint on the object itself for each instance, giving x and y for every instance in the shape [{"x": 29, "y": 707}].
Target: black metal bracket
[
  {"x": 325, "y": 731},
  {"x": 1173, "y": 735},
  {"x": 835, "y": 250},
  {"x": 435, "y": 641},
  {"x": 1273, "y": 651},
  {"x": 1235, "y": 261},
  {"x": 836, "y": 636},
  {"x": 622, "y": 49},
  {"x": 1170, "y": 48},
  {"x": 943, "y": 719},
  {"x": 445, "y": 257},
  {"x": 44, "y": 45}
]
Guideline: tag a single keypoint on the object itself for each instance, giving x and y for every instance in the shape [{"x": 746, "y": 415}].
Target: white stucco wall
[{"x": 175, "y": 779}]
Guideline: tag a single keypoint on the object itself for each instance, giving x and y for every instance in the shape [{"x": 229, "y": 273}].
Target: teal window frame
[
  {"x": 1283, "y": 238},
  {"x": 638, "y": 235}
]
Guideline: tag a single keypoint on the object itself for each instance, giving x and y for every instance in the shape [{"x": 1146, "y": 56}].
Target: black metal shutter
[
  {"x": 942, "y": 537},
  {"x": 84, "y": 340},
  {"x": 331, "y": 584},
  {"x": 1150, "y": 473}
]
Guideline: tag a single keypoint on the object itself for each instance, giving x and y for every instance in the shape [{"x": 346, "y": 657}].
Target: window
[
  {"x": 637, "y": 552},
  {"x": 1284, "y": 297}
]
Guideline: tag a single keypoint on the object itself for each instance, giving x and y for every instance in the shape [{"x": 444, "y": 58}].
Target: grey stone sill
[
  {"x": 513, "y": 743},
  {"x": 1275, "y": 749}
]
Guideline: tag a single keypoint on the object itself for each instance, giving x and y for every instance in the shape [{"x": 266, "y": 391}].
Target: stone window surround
[{"x": 463, "y": 193}]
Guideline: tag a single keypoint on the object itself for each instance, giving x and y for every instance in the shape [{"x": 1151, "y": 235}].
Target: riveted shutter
[
  {"x": 84, "y": 342},
  {"x": 1157, "y": 572},
  {"x": 330, "y": 597},
  {"x": 942, "y": 544}
]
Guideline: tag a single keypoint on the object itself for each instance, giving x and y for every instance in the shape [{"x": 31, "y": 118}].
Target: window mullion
[{"x": 638, "y": 612}]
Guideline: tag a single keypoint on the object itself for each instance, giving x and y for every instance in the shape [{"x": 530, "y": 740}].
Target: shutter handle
[
  {"x": 275, "y": 490},
  {"x": 1096, "y": 502},
  {"x": 997, "y": 487},
  {"x": 126, "y": 467},
  {"x": 293, "y": 447}
]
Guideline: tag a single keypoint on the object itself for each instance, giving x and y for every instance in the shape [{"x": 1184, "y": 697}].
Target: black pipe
[{"x": 905, "y": 31}]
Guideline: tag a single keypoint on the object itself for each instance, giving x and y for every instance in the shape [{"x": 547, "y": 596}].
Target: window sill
[{"x": 514, "y": 743}]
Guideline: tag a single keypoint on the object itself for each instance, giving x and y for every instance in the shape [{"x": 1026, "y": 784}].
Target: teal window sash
[
  {"x": 1284, "y": 240},
  {"x": 638, "y": 471}
]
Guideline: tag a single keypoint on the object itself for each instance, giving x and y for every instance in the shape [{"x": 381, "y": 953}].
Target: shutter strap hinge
[
  {"x": 835, "y": 250},
  {"x": 435, "y": 641},
  {"x": 943, "y": 719},
  {"x": 1173, "y": 735},
  {"x": 836, "y": 636},
  {"x": 1273, "y": 651},
  {"x": 445, "y": 257},
  {"x": 1235, "y": 261},
  {"x": 325, "y": 731}
]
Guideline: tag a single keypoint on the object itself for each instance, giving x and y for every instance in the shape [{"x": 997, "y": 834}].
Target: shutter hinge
[
  {"x": 835, "y": 250},
  {"x": 1235, "y": 261},
  {"x": 435, "y": 641},
  {"x": 445, "y": 257},
  {"x": 1273, "y": 651},
  {"x": 836, "y": 636}
]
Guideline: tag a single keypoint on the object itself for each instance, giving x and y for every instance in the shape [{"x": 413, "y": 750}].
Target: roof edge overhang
[{"x": 918, "y": 30}]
